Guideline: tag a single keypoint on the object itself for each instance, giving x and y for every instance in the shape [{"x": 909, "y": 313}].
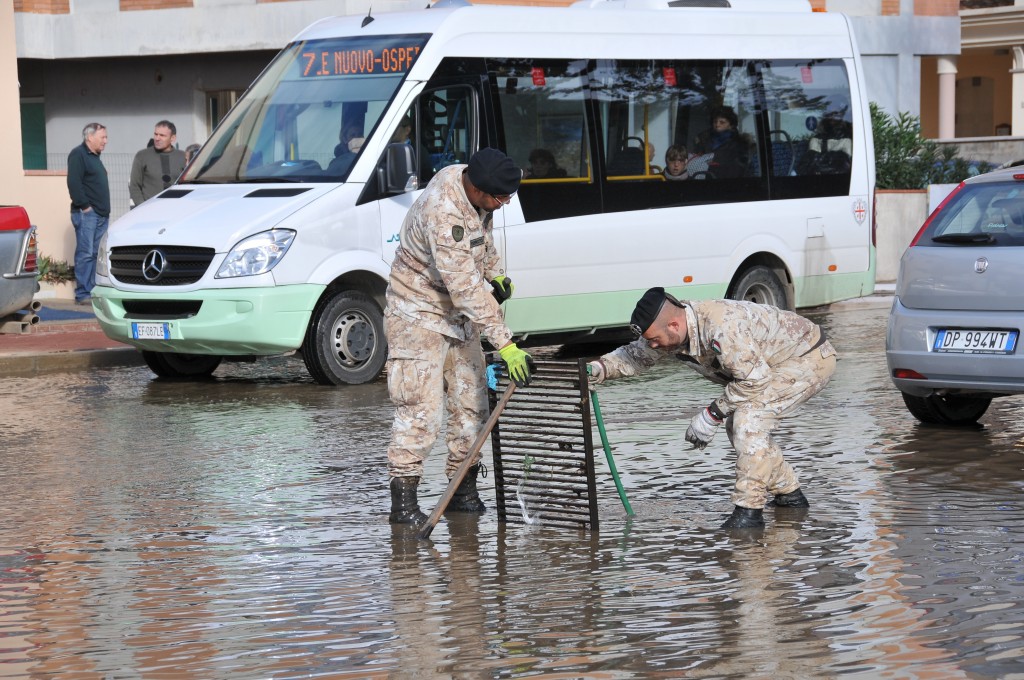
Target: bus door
[
  {"x": 543, "y": 125},
  {"x": 442, "y": 127}
]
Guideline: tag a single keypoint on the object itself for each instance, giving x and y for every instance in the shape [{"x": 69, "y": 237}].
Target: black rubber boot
[
  {"x": 405, "y": 508},
  {"x": 793, "y": 499},
  {"x": 744, "y": 518},
  {"x": 466, "y": 498}
]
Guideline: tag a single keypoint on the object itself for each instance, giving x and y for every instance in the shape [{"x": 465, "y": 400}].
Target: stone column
[
  {"x": 947, "y": 97},
  {"x": 1017, "y": 92}
]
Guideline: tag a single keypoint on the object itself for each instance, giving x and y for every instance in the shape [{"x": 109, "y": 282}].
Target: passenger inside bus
[
  {"x": 350, "y": 141},
  {"x": 543, "y": 166},
  {"x": 829, "y": 149},
  {"x": 676, "y": 159},
  {"x": 729, "y": 149},
  {"x": 403, "y": 131},
  {"x": 653, "y": 169}
]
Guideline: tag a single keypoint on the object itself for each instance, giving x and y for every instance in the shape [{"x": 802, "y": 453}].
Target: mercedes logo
[
  {"x": 980, "y": 265},
  {"x": 153, "y": 265}
]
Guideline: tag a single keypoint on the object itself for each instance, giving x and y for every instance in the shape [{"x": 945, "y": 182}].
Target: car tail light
[
  {"x": 907, "y": 374},
  {"x": 31, "y": 262},
  {"x": 935, "y": 212}
]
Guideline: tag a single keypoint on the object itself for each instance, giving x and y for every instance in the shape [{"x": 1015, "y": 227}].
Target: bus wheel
[
  {"x": 345, "y": 342},
  {"x": 760, "y": 285},
  {"x": 172, "y": 365}
]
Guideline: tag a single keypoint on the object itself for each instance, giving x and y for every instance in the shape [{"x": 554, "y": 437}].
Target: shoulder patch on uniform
[
  {"x": 715, "y": 347},
  {"x": 478, "y": 241},
  {"x": 458, "y": 232}
]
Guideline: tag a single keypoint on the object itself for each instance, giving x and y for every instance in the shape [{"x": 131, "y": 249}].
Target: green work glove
[
  {"x": 519, "y": 364},
  {"x": 503, "y": 288}
]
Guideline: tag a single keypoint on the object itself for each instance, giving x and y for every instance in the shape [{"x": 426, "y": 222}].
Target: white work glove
[
  {"x": 595, "y": 373},
  {"x": 702, "y": 428}
]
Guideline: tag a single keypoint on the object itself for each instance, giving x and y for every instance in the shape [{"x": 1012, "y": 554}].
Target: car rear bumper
[
  {"x": 229, "y": 322},
  {"x": 908, "y": 343}
]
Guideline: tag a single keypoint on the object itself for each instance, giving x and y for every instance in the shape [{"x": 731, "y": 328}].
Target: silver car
[
  {"x": 954, "y": 330},
  {"x": 18, "y": 269}
]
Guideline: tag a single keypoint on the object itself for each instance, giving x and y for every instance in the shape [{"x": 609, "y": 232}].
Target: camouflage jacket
[
  {"x": 733, "y": 343},
  {"x": 442, "y": 269}
]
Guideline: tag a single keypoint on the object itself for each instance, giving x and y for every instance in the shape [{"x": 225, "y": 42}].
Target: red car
[{"x": 18, "y": 270}]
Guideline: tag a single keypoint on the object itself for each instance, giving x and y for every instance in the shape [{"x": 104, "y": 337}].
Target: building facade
[{"x": 130, "y": 63}]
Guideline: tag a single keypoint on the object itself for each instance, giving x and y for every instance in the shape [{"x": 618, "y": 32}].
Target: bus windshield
[{"x": 305, "y": 119}]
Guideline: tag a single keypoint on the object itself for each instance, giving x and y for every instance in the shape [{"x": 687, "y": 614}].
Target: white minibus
[{"x": 719, "y": 148}]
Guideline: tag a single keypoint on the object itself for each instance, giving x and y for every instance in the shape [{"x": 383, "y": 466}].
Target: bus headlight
[
  {"x": 257, "y": 254},
  {"x": 103, "y": 258}
]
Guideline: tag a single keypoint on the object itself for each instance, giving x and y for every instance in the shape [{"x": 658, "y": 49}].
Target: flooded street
[{"x": 238, "y": 528}]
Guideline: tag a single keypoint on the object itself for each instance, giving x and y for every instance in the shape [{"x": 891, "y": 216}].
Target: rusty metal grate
[{"x": 543, "y": 449}]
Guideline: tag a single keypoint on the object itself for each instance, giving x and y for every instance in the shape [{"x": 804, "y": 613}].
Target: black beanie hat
[
  {"x": 492, "y": 172},
  {"x": 648, "y": 308}
]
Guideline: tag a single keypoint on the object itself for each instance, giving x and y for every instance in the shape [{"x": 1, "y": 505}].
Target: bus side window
[
  {"x": 543, "y": 121},
  {"x": 446, "y": 128},
  {"x": 808, "y": 106}
]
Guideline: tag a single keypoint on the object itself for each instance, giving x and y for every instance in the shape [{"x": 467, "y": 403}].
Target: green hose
[{"x": 608, "y": 454}]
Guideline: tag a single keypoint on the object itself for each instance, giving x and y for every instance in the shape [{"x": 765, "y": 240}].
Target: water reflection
[{"x": 238, "y": 528}]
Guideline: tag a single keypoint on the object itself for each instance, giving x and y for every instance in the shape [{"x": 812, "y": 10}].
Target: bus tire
[
  {"x": 761, "y": 285},
  {"x": 173, "y": 365},
  {"x": 345, "y": 343}
]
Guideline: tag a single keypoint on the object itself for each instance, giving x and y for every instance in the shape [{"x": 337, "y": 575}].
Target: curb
[{"x": 29, "y": 364}]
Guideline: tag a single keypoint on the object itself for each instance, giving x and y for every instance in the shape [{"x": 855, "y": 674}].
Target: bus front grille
[{"x": 159, "y": 265}]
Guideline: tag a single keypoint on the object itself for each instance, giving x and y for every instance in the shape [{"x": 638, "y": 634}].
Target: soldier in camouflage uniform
[
  {"x": 439, "y": 300},
  {"x": 769, "y": 360}
]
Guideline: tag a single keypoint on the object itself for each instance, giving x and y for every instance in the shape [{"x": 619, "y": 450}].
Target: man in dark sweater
[
  {"x": 157, "y": 166},
  {"x": 90, "y": 206}
]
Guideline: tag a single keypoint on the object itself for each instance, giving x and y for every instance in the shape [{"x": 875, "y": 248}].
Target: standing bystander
[
  {"x": 156, "y": 167},
  {"x": 90, "y": 206}
]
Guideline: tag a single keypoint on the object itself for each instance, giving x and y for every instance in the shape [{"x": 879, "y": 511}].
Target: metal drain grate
[{"x": 543, "y": 449}]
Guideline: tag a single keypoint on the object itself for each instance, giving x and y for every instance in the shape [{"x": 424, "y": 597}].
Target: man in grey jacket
[{"x": 156, "y": 167}]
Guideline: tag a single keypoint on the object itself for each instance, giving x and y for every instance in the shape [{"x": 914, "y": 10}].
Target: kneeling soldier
[{"x": 769, "y": 360}]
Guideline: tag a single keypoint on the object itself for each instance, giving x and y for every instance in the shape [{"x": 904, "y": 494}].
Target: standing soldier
[
  {"x": 770, "y": 362},
  {"x": 438, "y": 303}
]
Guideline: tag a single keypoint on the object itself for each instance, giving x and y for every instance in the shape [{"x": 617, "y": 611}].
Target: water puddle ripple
[{"x": 238, "y": 528}]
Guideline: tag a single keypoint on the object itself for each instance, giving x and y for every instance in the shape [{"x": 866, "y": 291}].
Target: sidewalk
[{"x": 68, "y": 338}]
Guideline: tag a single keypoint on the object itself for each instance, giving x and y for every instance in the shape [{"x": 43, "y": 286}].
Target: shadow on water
[{"x": 238, "y": 528}]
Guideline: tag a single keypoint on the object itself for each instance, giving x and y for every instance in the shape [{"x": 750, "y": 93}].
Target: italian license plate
[
  {"x": 150, "y": 331},
  {"x": 975, "y": 341}
]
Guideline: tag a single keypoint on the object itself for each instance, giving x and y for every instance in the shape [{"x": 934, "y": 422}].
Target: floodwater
[{"x": 237, "y": 528}]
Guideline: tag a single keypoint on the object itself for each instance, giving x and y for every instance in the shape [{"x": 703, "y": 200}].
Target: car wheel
[
  {"x": 173, "y": 365},
  {"x": 946, "y": 410},
  {"x": 761, "y": 285},
  {"x": 345, "y": 344}
]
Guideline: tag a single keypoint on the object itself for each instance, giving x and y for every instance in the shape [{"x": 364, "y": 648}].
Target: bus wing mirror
[{"x": 400, "y": 169}]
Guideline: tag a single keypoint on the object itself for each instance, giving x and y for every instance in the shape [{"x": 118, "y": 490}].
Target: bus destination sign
[{"x": 366, "y": 59}]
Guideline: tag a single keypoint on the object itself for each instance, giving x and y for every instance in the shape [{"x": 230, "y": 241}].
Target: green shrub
[
  {"x": 55, "y": 271},
  {"x": 906, "y": 160}
]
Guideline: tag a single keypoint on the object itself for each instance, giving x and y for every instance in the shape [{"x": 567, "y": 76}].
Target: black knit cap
[
  {"x": 492, "y": 172},
  {"x": 648, "y": 308}
]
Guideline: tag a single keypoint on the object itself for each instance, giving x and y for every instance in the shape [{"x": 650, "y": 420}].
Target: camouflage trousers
[
  {"x": 760, "y": 468},
  {"x": 430, "y": 372}
]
